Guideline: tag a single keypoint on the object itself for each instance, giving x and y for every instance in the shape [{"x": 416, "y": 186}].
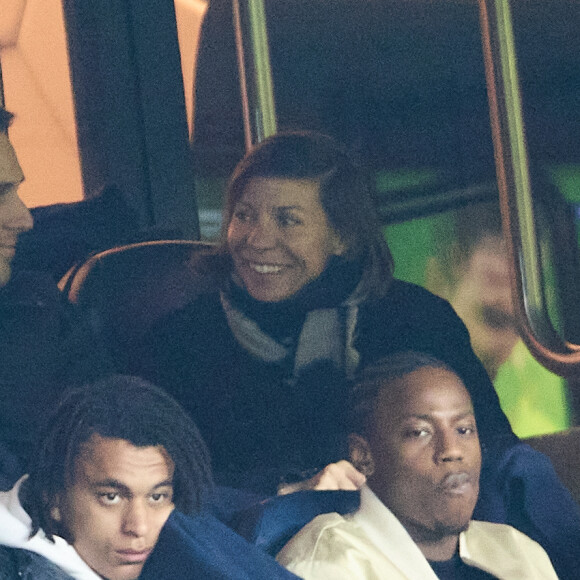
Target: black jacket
[
  {"x": 44, "y": 348},
  {"x": 256, "y": 424}
]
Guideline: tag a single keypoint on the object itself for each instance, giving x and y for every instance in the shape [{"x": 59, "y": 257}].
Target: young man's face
[
  {"x": 426, "y": 452},
  {"x": 121, "y": 497},
  {"x": 14, "y": 216},
  {"x": 483, "y": 300}
]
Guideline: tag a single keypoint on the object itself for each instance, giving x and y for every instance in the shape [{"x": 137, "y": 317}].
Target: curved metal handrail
[
  {"x": 515, "y": 192},
  {"x": 256, "y": 85}
]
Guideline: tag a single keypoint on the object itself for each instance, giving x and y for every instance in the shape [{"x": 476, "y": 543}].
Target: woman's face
[{"x": 279, "y": 237}]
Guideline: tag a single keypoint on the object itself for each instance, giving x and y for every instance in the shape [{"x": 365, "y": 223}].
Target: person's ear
[
  {"x": 360, "y": 454},
  {"x": 55, "y": 514},
  {"x": 338, "y": 246}
]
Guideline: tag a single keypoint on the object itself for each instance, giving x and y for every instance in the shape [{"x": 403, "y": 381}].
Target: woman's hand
[{"x": 335, "y": 476}]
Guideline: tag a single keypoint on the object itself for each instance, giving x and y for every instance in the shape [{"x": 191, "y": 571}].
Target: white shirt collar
[{"x": 15, "y": 526}]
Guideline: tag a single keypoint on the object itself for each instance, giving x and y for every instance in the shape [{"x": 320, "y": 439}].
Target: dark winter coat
[
  {"x": 258, "y": 425},
  {"x": 44, "y": 348}
]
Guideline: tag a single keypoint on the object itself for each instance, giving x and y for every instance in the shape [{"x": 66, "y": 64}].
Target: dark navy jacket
[
  {"x": 198, "y": 547},
  {"x": 18, "y": 564},
  {"x": 45, "y": 347},
  {"x": 257, "y": 425}
]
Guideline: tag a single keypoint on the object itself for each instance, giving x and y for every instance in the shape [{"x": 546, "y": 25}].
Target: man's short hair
[
  {"x": 5, "y": 119},
  {"x": 370, "y": 382},
  {"x": 119, "y": 407},
  {"x": 456, "y": 237}
]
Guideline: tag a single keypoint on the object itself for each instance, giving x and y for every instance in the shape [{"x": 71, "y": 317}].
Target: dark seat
[
  {"x": 563, "y": 449},
  {"x": 124, "y": 290}
]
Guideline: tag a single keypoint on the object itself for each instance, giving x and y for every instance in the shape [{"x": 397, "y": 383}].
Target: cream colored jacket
[{"x": 371, "y": 544}]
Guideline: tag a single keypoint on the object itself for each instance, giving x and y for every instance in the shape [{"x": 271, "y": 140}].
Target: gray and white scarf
[{"x": 327, "y": 334}]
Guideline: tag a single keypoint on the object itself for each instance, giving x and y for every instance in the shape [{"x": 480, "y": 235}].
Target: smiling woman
[
  {"x": 279, "y": 237},
  {"x": 301, "y": 294}
]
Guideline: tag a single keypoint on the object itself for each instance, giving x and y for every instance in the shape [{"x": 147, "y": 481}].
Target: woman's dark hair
[
  {"x": 5, "y": 119},
  {"x": 345, "y": 195},
  {"x": 120, "y": 407}
]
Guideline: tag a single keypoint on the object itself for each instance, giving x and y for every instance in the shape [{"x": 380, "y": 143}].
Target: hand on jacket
[{"x": 335, "y": 476}]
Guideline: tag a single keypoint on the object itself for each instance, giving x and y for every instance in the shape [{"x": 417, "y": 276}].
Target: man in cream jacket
[{"x": 417, "y": 443}]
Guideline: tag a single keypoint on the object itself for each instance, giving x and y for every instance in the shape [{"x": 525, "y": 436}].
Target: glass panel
[
  {"x": 547, "y": 40},
  {"x": 401, "y": 83},
  {"x": 461, "y": 256},
  {"x": 37, "y": 89}
]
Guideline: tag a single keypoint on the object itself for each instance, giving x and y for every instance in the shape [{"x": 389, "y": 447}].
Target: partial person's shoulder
[
  {"x": 313, "y": 536},
  {"x": 33, "y": 303},
  {"x": 497, "y": 535},
  {"x": 408, "y": 308},
  {"x": 206, "y": 545},
  {"x": 333, "y": 546},
  {"x": 503, "y": 547},
  {"x": 203, "y": 315},
  {"x": 401, "y": 292},
  {"x": 194, "y": 334},
  {"x": 8, "y": 564},
  {"x": 17, "y": 564},
  {"x": 39, "y": 324},
  {"x": 30, "y": 289},
  {"x": 317, "y": 550}
]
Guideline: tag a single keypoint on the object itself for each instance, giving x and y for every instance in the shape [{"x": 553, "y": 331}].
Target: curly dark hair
[
  {"x": 376, "y": 376},
  {"x": 120, "y": 407}
]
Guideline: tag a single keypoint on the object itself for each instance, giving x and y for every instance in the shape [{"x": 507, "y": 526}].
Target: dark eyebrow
[
  {"x": 287, "y": 207},
  {"x": 166, "y": 483},
  {"x": 465, "y": 414},
  {"x": 426, "y": 417},
  {"x": 116, "y": 484}
]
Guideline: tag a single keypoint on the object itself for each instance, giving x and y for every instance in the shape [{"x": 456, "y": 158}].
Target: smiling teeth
[{"x": 266, "y": 268}]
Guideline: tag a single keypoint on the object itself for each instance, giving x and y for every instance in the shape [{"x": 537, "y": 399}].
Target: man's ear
[
  {"x": 58, "y": 515},
  {"x": 55, "y": 514},
  {"x": 339, "y": 246},
  {"x": 360, "y": 454}
]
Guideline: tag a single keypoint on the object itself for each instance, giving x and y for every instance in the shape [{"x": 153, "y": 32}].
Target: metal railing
[{"x": 515, "y": 189}]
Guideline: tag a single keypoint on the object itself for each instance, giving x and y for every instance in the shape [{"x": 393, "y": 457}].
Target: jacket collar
[{"x": 390, "y": 537}]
